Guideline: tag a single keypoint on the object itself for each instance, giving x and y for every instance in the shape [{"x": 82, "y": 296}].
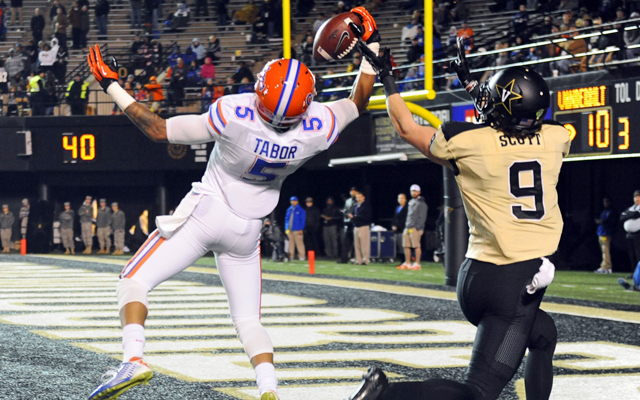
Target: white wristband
[
  {"x": 120, "y": 96},
  {"x": 365, "y": 66}
]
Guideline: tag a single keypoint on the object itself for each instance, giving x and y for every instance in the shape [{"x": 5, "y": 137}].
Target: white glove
[{"x": 543, "y": 278}]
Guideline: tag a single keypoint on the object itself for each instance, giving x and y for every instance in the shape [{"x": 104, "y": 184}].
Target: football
[{"x": 335, "y": 39}]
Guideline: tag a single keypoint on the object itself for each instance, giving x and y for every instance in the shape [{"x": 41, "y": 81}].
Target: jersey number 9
[{"x": 518, "y": 191}]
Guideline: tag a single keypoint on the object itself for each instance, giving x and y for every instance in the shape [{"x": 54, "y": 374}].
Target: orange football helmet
[{"x": 285, "y": 89}]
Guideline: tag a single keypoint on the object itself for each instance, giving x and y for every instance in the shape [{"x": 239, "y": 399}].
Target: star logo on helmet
[{"x": 507, "y": 95}]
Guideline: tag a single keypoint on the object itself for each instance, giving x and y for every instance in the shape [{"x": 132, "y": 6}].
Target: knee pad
[
  {"x": 253, "y": 337},
  {"x": 130, "y": 291}
]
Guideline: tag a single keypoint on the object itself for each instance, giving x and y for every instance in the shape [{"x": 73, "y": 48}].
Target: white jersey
[{"x": 250, "y": 160}]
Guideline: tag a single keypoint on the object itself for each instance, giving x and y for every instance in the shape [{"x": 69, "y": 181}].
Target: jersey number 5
[
  {"x": 518, "y": 191},
  {"x": 256, "y": 172}
]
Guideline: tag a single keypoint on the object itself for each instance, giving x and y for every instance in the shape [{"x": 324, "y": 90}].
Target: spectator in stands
[
  {"x": 214, "y": 49},
  {"x": 631, "y": 223},
  {"x": 199, "y": 50},
  {"x": 318, "y": 22},
  {"x": 294, "y": 224},
  {"x": 50, "y": 100},
  {"x": 451, "y": 39},
  {"x": 520, "y": 21},
  {"x": 193, "y": 76},
  {"x": 177, "y": 83},
  {"x": 246, "y": 86},
  {"x": 546, "y": 26},
  {"x": 54, "y": 10},
  {"x": 312, "y": 226},
  {"x": 60, "y": 66},
  {"x": 140, "y": 93},
  {"x": 16, "y": 14},
  {"x": 399, "y": 220},
  {"x": 269, "y": 13},
  {"x": 155, "y": 93},
  {"x": 174, "y": 56},
  {"x": 414, "y": 52},
  {"x": 136, "y": 14},
  {"x": 410, "y": 80},
  {"x": 441, "y": 16},
  {"x": 84, "y": 25},
  {"x": 47, "y": 57},
  {"x": 208, "y": 70},
  {"x": 77, "y": 96},
  {"x": 102, "y": 12},
  {"x": 152, "y": 13},
  {"x": 341, "y": 7},
  {"x": 409, "y": 32},
  {"x": 202, "y": 7},
  {"x": 37, "y": 25},
  {"x": 462, "y": 10},
  {"x": 156, "y": 53},
  {"x": 304, "y": 8},
  {"x": 631, "y": 38},
  {"x": 467, "y": 34},
  {"x": 222, "y": 13},
  {"x": 13, "y": 63},
  {"x": 3, "y": 21},
  {"x": 331, "y": 217},
  {"x": 207, "y": 95},
  {"x": 4, "y": 84},
  {"x": 31, "y": 52},
  {"x": 247, "y": 14},
  {"x": 306, "y": 48},
  {"x": 258, "y": 31},
  {"x": 179, "y": 19},
  {"x": 231, "y": 87},
  {"x": 75, "y": 16},
  {"x": 567, "y": 19},
  {"x": 606, "y": 226},
  {"x": 61, "y": 23},
  {"x": 573, "y": 46},
  {"x": 362, "y": 219},
  {"x": 189, "y": 56},
  {"x": 129, "y": 85},
  {"x": 134, "y": 49},
  {"x": 243, "y": 72},
  {"x": 36, "y": 93},
  {"x": 181, "y": 68}
]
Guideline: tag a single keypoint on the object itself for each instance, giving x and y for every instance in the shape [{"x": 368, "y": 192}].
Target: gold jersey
[{"x": 508, "y": 187}]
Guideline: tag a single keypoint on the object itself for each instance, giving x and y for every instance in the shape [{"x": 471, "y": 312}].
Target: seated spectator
[
  {"x": 156, "y": 94},
  {"x": 420, "y": 35},
  {"x": 318, "y": 22},
  {"x": 451, "y": 40},
  {"x": 208, "y": 70},
  {"x": 441, "y": 16},
  {"x": 174, "y": 56},
  {"x": 259, "y": 31},
  {"x": 546, "y": 26},
  {"x": 246, "y": 87},
  {"x": 207, "y": 95},
  {"x": 213, "y": 51},
  {"x": 3, "y": 23},
  {"x": 140, "y": 93},
  {"x": 307, "y": 52},
  {"x": 408, "y": 33},
  {"x": 246, "y": 15},
  {"x": 13, "y": 63},
  {"x": 177, "y": 83},
  {"x": 573, "y": 46},
  {"x": 520, "y": 21},
  {"x": 193, "y": 74},
  {"x": 467, "y": 34},
  {"x": 189, "y": 56},
  {"x": 129, "y": 86},
  {"x": 156, "y": 53},
  {"x": 231, "y": 87},
  {"x": 410, "y": 81},
  {"x": 414, "y": 52},
  {"x": 340, "y": 8},
  {"x": 179, "y": 19},
  {"x": 632, "y": 37},
  {"x": 243, "y": 72}
]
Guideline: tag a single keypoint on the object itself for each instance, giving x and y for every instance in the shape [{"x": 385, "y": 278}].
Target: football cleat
[
  {"x": 602, "y": 271},
  {"x": 269, "y": 395},
  {"x": 117, "y": 381},
  {"x": 374, "y": 383},
  {"x": 404, "y": 266},
  {"x": 624, "y": 284},
  {"x": 415, "y": 267}
]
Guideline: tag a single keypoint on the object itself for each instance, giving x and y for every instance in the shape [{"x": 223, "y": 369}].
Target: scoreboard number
[{"x": 78, "y": 148}]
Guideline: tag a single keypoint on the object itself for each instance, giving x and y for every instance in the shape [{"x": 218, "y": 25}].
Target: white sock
[
  {"x": 266, "y": 377},
  {"x": 132, "y": 341}
]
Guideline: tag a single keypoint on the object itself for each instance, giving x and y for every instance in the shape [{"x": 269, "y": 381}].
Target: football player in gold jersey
[{"x": 507, "y": 169}]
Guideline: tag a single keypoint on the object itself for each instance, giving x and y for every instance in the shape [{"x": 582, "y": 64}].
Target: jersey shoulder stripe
[
  {"x": 217, "y": 121},
  {"x": 333, "y": 132},
  {"x": 211, "y": 123},
  {"x": 453, "y": 128}
]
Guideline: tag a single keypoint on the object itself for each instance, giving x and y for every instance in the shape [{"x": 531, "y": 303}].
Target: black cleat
[{"x": 374, "y": 383}]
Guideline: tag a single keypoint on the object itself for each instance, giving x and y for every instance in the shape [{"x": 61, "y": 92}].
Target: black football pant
[{"x": 494, "y": 298}]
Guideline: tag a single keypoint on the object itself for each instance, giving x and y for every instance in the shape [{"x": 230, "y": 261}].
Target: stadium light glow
[{"x": 368, "y": 159}]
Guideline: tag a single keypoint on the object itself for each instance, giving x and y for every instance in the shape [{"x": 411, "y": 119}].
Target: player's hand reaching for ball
[
  {"x": 369, "y": 31},
  {"x": 100, "y": 70}
]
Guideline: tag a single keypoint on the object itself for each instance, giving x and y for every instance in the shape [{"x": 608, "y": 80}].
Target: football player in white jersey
[{"x": 261, "y": 138}]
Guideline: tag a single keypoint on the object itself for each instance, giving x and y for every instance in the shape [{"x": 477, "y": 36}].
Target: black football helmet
[{"x": 514, "y": 101}]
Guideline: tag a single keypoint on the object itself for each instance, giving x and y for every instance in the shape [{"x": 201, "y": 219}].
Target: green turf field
[{"x": 568, "y": 284}]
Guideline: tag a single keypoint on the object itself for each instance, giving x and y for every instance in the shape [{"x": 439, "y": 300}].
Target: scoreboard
[{"x": 603, "y": 120}]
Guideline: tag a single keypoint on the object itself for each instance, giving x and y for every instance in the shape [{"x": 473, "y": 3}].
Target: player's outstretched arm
[
  {"x": 368, "y": 37},
  {"x": 417, "y": 135},
  {"x": 149, "y": 123}
]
